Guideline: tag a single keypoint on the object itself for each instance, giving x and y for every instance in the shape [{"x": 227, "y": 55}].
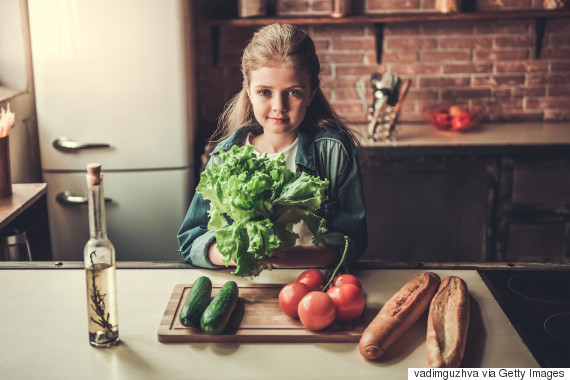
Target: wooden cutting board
[{"x": 257, "y": 318}]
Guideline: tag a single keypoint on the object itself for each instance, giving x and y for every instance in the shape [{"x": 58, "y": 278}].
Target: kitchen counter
[
  {"x": 44, "y": 331},
  {"x": 484, "y": 137},
  {"x": 26, "y": 210}
]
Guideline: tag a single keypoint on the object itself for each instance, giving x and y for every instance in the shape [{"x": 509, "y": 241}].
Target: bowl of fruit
[{"x": 456, "y": 117}]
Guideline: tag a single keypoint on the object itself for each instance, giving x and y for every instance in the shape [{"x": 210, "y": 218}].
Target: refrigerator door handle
[
  {"x": 67, "y": 198},
  {"x": 66, "y": 145}
]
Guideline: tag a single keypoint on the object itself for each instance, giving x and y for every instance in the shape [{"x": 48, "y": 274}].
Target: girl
[{"x": 281, "y": 109}]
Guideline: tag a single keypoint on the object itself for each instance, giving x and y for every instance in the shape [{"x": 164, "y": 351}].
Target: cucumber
[
  {"x": 196, "y": 302},
  {"x": 217, "y": 315}
]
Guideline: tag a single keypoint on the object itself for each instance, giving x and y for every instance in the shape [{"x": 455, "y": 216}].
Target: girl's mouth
[{"x": 278, "y": 119}]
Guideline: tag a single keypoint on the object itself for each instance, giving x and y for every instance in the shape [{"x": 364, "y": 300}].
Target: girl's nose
[{"x": 279, "y": 104}]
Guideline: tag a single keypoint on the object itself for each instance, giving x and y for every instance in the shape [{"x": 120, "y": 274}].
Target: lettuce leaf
[{"x": 254, "y": 203}]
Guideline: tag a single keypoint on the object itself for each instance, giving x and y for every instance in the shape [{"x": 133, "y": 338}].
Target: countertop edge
[{"x": 363, "y": 265}]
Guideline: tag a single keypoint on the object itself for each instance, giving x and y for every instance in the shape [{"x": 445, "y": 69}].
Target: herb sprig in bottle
[{"x": 100, "y": 268}]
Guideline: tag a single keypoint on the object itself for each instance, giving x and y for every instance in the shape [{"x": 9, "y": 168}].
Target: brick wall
[{"x": 485, "y": 63}]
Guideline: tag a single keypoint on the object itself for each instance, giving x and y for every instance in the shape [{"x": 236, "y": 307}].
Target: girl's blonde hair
[{"x": 271, "y": 44}]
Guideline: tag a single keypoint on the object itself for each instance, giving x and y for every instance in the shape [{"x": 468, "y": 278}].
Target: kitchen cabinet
[
  {"x": 500, "y": 192},
  {"x": 56, "y": 344},
  {"x": 534, "y": 209},
  {"x": 26, "y": 210},
  {"x": 379, "y": 19}
]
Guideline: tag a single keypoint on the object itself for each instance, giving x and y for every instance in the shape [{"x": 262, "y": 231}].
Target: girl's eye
[
  {"x": 264, "y": 92},
  {"x": 294, "y": 92}
]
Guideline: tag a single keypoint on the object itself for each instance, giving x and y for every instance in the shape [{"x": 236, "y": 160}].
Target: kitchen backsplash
[{"x": 489, "y": 63}]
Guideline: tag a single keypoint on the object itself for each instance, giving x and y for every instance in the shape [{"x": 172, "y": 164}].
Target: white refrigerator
[{"x": 111, "y": 83}]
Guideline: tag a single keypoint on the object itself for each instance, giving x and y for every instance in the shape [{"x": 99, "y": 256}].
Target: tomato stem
[{"x": 339, "y": 264}]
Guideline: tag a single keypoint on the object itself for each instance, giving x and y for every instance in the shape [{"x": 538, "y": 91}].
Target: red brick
[
  {"x": 370, "y": 58},
  {"x": 452, "y": 28},
  {"x": 503, "y": 27},
  {"x": 415, "y": 69},
  {"x": 388, "y": 5},
  {"x": 514, "y": 41},
  {"x": 498, "y": 80},
  {"x": 500, "y": 55},
  {"x": 415, "y": 94},
  {"x": 405, "y": 29},
  {"x": 466, "y": 42},
  {"x": 447, "y": 81},
  {"x": 445, "y": 55},
  {"x": 562, "y": 90},
  {"x": 521, "y": 67},
  {"x": 559, "y": 40},
  {"x": 554, "y": 79},
  {"x": 520, "y": 92},
  {"x": 399, "y": 56},
  {"x": 558, "y": 26},
  {"x": 352, "y": 70},
  {"x": 425, "y": 106},
  {"x": 345, "y": 94},
  {"x": 517, "y": 115},
  {"x": 342, "y": 82},
  {"x": 346, "y": 30},
  {"x": 409, "y": 43},
  {"x": 335, "y": 57},
  {"x": 353, "y": 44},
  {"x": 502, "y": 94},
  {"x": 555, "y": 53},
  {"x": 321, "y": 44},
  {"x": 347, "y": 108},
  {"x": 468, "y": 68},
  {"x": 467, "y": 93},
  {"x": 562, "y": 103}
]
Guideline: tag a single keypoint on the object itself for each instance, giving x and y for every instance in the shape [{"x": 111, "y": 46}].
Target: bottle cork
[{"x": 94, "y": 176}]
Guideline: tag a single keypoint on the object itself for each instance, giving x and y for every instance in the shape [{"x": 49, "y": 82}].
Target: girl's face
[{"x": 280, "y": 96}]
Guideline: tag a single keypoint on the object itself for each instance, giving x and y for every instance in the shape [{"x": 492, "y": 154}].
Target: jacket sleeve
[
  {"x": 345, "y": 210},
  {"x": 194, "y": 238}
]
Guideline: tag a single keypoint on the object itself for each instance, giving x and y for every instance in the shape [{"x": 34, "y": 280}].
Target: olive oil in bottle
[{"x": 99, "y": 257}]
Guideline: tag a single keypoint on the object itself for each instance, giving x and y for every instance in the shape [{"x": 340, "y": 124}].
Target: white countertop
[{"x": 44, "y": 332}]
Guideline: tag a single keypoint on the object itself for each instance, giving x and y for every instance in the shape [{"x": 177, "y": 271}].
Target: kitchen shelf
[{"x": 378, "y": 20}]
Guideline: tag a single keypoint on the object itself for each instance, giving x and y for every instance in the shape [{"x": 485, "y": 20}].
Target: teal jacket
[{"x": 326, "y": 153}]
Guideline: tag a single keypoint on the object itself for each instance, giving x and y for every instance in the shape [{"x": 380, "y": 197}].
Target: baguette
[
  {"x": 398, "y": 314},
  {"x": 448, "y": 321}
]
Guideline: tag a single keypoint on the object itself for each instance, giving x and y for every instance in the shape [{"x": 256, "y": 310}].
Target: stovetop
[{"x": 538, "y": 305}]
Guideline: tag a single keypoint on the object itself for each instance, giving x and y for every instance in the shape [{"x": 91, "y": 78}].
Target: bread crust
[
  {"x": 398, "y": 314},
  {"x": 448, "y": 322}
]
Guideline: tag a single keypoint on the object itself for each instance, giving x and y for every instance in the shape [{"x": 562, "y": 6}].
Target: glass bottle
[{"x": 99, "y": 257}]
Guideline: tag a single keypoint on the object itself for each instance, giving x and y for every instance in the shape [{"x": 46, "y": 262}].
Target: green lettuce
[{"x": 254, "y": 203}]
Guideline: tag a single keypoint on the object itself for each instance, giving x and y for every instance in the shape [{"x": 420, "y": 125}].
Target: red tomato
[
  {"x": 348, "y": 301},
  {"x": 316, "y": 311},
  {"x": 441, "y": 119},
  {"x": 346, "y": 279},
  {"x": 313, "y": 278},
  {"x": 455, "y": 110},
  {"x": 461, "y": 121},
  {"x": 290, "y": 296}
]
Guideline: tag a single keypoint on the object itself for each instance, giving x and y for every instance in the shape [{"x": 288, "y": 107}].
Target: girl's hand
[
  {"x": 301, "y": 256},
  {"x": 216, "y": 256}
]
